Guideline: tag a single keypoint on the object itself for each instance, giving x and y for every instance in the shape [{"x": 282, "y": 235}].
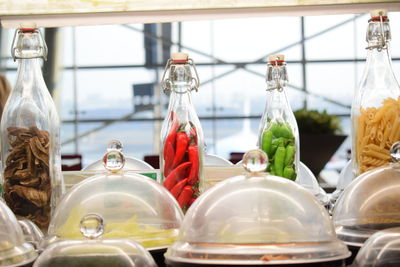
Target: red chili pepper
[
  {"x": 177, "y": 174},
  {"x": 177, "y": 189},
  {"x": 168, "y": 158},
  {"x": 181, "y": 146},
  {"x": 171, "y": 138},
  {"x": 194, "y": 159},
  {"x": 185, "y": 196},
  {"x": 193, "y": 135}
]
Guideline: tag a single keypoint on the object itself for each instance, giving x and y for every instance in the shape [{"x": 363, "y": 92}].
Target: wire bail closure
[
  {"x": 382, "y": 41},
  {"x": 166, "y": 83},
  {"x": 42, "y": 45},
  {"x": 280, "y": 82}
]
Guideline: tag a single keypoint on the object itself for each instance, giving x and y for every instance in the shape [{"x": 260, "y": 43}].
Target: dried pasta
[{"x": 377, "y": 129}]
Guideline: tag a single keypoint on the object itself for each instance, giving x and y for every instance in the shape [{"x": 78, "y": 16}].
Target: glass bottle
[
  {"x": 375, "y": 111},
  {"x": 278, "y": 134},
  {"x": 182, "y": 145},
  {"x": 30, "y": 143}
]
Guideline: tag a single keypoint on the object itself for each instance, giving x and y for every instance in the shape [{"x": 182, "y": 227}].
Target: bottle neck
[
  {"x": 378, "y": 35},
  {"x": 379, "y": 59},
  {"x": 278, "y": 104},
  {"x": 180, "y": 77},
  {"x": 29, "y": 75},
  {"x": 277, "y": 77},
  {"x": 378, "y": 71},
  {"x": 180, "y": 96}
]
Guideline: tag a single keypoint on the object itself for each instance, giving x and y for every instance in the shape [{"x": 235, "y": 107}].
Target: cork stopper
[
  {"x": 179, "y": 56},
  {"x": 28, "y": 27},
  {"x": 276, "y": 59},
  {"x": 377, "y": 14}
]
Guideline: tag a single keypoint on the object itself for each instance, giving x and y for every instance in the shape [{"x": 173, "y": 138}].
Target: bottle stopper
[
  {"x": 276, "y": 59},
  {"x": 377, "y": 14},
  {"x": 28, "y": 27},
  {"x": 179, "y": 56},
  {"x": 279, "y": 57}
]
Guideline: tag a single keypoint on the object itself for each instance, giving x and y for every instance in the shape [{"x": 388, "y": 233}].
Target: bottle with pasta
[
  {"x": 278, "y": 134},
  {"x": 375, "y": 109}
]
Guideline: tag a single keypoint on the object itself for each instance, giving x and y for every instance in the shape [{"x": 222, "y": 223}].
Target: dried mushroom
[{"x": 27, "y": 187}]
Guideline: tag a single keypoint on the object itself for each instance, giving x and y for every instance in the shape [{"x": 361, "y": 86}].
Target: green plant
[{"x": 317, "y": 122}]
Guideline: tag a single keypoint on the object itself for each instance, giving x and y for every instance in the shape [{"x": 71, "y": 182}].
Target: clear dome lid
[
  {"x": 307, "y": 179},
  {"x": 382, "y": 249},
  {"x": 345, "y": 177},
  {"x": 214, "y": 160},
  {"x": 130, "y": 163},
  {"x": 32, "y": 233},
  {"x": 370, "y": 203},
  {"x": 14, "y": 251},
  {"x": 256, "y": 219},
  {"x": 133, "y": 206},
  {"x": 94, "y": 251}
]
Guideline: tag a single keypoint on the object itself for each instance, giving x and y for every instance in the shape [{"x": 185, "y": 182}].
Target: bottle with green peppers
[
  {"x": 182, "y": 146},
  {"x": 278, "y": 134}
]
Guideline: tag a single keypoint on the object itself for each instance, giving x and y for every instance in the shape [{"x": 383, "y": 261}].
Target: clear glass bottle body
[
  {"x": 30, "y": 140},
  {"x": 182, "y": 142},
  {"x": 375, "y": 109},
  {"x": 278, "y": 134}
]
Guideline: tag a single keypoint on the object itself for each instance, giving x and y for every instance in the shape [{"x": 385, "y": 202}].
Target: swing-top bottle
[
  {"x": 278, "y": 133},
  {"x": 375, "y": 109},
  {"x": 182, "y": 146},
  {"x": 30, "y": 143}
]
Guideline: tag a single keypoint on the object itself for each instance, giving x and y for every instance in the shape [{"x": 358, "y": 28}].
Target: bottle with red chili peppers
[
  {"x": 182, "y": 147},
  {"x": 279, "y": 135}
]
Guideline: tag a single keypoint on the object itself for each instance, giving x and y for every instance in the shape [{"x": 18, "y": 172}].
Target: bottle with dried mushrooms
[
  {"x": 375, "y": 109},
  {"x": 30, "y": 143}
]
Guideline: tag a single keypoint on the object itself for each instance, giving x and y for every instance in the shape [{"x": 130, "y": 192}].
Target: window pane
[
  {"x": 105, "y": 93},
  {"x": 337, "y": 43},
  {"x": 333, "y": 81},
  {"x": 136, "y": 137},
  {"x": 104, "y": 45}
]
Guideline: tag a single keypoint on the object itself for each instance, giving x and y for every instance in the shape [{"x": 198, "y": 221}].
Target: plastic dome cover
[
  {"x": 130, "y": 163},
  {"x": 214, "y": 160},
  {"x": 256, "y": 219},
  {"x": 94, "y": 251},
  {"x": 307, "y": 179},
  {"x": 382, "y": 249},
  {"x": 370, "y": 203},
  {"x": 132, "y": 205},
  {"x": 32, "y": 233},
  {"x": 14, "y": 251}
]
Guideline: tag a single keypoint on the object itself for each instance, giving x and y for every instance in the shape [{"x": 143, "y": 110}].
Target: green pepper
[
  {"x": 279, "y": 160},
  {"x": 266, "y": 144},
  {"x": 289, "y": 157},
  {"x": 282, "y": 130},
  {"x": 288, "y": 172},
  {"x": 281, "y": 141}
]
